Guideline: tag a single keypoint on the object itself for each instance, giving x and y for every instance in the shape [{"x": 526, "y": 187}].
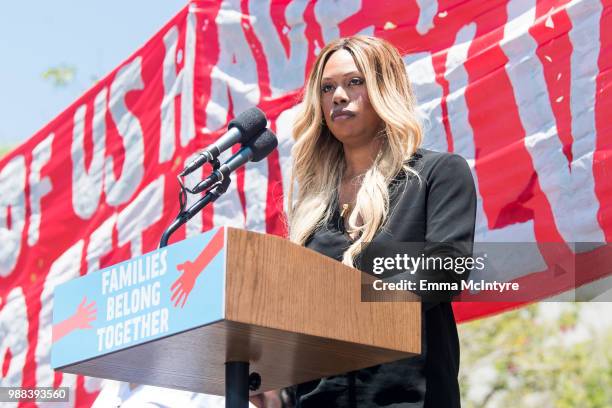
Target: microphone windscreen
[
  {"x": 263, "y": 145},
  {"x": 250, "y": 123}
]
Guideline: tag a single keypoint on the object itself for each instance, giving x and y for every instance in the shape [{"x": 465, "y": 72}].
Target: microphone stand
[{"x": 211, "y": 195}]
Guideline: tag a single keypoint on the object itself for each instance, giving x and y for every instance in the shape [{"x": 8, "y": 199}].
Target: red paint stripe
[
  {"x": 439, "y": 64},
  {"x": 277, "y": 12},
  {"x": 83, "y": 398},
  {"x": 207, "y": 56},
  {"x": 602, "y": 157},
  {"x": 468, "y": 311},
  {"x": 257, "y": 52},
  {"x": 313, "y": 35},
  {"x": 554, "y": 52},
  {"x": 275, "y": 214}
]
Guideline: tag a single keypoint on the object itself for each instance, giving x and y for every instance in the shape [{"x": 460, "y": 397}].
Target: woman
[{"x": 362, "y": 178}]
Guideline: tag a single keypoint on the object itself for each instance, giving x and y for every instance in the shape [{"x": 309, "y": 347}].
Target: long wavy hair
[{"x": 318, "y": 157}]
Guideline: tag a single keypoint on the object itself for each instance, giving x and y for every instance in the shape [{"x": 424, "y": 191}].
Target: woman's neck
[{"x": 360, "y": 158}]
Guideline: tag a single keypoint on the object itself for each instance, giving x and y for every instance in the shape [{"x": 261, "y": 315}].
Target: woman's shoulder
[
  {"x": 430, "y": 163},
  {"x": 429, "y": 159},
  {"x": 432, "y": 174}
]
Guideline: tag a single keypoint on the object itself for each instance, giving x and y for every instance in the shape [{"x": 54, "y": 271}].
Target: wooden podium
[{"x": 292, "y": 314}]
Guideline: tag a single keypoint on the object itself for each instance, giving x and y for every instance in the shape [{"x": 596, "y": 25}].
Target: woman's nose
[{"x": 340, "y": 96}]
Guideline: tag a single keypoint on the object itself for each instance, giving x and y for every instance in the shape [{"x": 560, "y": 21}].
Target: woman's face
[{"x": 344, "y": 98}]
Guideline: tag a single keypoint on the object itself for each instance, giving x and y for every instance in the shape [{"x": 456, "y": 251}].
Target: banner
[{"x": 520, "y": 88}]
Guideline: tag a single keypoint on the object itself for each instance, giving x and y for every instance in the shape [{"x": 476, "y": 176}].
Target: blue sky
[{"x": 91, "y": 36}]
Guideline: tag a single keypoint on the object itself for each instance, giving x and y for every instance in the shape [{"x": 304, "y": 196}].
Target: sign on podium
[{"x": 212, "y": 307}]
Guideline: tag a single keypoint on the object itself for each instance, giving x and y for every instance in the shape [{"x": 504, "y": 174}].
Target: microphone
[
  {"x": 240, "y": 130},
  {"x": 254, "y": 150}
]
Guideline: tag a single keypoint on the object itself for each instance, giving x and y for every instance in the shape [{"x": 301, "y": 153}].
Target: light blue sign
[{"x": 155, "y": 295}]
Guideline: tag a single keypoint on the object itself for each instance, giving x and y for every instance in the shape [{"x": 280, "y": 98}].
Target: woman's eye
[
  {"x": 356, "y": 81},
  {"x": 326, "y": 88}
]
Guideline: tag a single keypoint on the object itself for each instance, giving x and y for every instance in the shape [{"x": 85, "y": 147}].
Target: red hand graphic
[
  {"x": 181, "y": 288},
  {"x": 81, "y": 319},
  {"x": 84, "y": 315},
  {"x": 184, "y": 284}
]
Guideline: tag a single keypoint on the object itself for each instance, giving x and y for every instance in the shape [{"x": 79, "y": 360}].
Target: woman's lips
[{"x": 342, "y": 116}]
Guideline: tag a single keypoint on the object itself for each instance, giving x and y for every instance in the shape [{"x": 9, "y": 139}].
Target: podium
[{"x": 175, "y": 316}]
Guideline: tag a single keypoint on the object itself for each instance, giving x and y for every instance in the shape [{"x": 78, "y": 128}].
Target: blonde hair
[{"x": 318, "y": 157}]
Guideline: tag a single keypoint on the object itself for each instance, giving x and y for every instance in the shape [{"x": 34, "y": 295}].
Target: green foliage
[
  {"x": 4, "y": 150},
  {"x": 522, "y": 359},
  {"x": 60, "y": 75}
]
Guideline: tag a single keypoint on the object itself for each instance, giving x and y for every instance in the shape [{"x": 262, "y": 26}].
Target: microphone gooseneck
[
  {"x": 240, "y": 130},
  {"x": 254, "y": 150}
]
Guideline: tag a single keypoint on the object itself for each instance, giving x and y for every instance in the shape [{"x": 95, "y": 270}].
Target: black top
[{"x": 442, "y": 208}]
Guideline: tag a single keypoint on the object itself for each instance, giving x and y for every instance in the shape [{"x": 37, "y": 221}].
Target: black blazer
[{"x": 441, "y": 208}]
